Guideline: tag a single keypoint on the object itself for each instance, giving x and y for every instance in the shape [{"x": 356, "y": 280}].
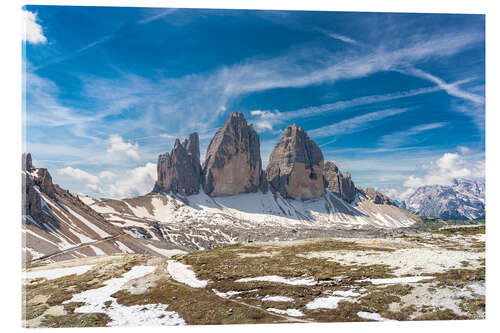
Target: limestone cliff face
[
  {"x": 295, "y": 168},
  {"x": 232, "y": 162},
  {"x": 339, "y": 184},
  {"x": 179, "y": 171}
]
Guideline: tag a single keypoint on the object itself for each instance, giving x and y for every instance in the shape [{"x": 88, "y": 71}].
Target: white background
[{"x": 10, "y": 156}]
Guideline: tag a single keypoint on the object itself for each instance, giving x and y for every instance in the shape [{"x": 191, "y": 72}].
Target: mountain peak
[
  {"x": 340, "y": 185},
  {"x": 232, "y": 162},
  {"x": 179, "y": 171},
  {"x": 295, "y": 168}
]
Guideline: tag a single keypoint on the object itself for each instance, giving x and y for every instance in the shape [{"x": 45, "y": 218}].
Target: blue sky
[{"x": 395, "y": 99}]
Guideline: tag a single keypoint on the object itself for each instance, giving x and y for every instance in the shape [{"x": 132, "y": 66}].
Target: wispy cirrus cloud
[
  {"x": 355, "y": 124},
  {"x": 452, "y": 89},
  {"x": 158, "y": 16},
  {"x": 193, "y": 95},
  {"x": 406, "y": 137},
  {"x": 272, "y": 118},
  {"x": 337, "y": 36}
]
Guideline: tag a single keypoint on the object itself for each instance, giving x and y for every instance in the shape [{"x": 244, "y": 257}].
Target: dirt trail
[{"x": 55, "y": 254}]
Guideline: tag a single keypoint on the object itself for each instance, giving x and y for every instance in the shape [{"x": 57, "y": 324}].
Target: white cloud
[
  {"x": 391, "y": 192},
  {"x": 443, "y": 171},
  {"x": 33, "y": 32},
  {"x": 119, "y": 147},
  {"x": 79, "y": 174},
  {"x": 138, "y": 181},
  {"x": 464, "y": 150},
  {"x": 117, "y": 184},
  {"x": 355, "y": 124},
  {"x": 107, "y": 175},
  {"x": 265, "y": 119}
]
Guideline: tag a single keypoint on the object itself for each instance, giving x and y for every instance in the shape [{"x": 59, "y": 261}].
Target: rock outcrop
[
  {"x": 39, "y": 177},
  {"x": 180, "y": 171},
  {"x": 339, "y": 184},
  {"x": 35, "y": 180},
  {"x": 232, "y": 162},
  {"x": 295, "y": 168},
  {"x": 376, "y": 197}
]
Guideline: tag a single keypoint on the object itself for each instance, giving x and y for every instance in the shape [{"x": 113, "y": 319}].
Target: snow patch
[
  {"x": 137, "y": 315},
  {"x": 230, "y": 293},
  {"x": 371, "y": 316},
  {"x": 308, "y": 281},
  {"x": 329, "y": 302},
  {"x": 123, "y": 247},
  {"x": 477, "y": 288},
  {"x": 183, "y": 274},
  {"x": 89, "y": 224},
  {"x": 288, "y": 312},
  {"x": 165, "y": 252},
  {"x": 403, "y": 261},
  {"x": 269, "y": 298},
  {"x": 86, "y": 200},
  {"x": 98, "y": 251}
]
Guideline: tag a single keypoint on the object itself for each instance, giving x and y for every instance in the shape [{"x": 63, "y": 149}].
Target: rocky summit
[
  {"x": 232, "y": 163},
  {"x": 179, "y": 171},
  {"x": 339, "y": 184},
  {"x": 295, "y": 168},
  {"x": 376, "y": 197}
]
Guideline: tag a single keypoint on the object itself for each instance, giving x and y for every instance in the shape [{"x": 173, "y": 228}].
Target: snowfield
[{"x": 258, "y": 208}]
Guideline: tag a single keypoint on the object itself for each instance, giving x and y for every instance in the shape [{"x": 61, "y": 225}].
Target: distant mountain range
[{"x": 462, "y": 200}]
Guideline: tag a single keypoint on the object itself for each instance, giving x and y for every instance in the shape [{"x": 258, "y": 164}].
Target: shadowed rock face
[
  {"x": 295, "y": 168},
  {"x": 179, "y": 171},
  {"x": 232, "y": 163},
  {"x": 338, "y": 184},
  {"x": 377, "y": 197},
  {"x": 35, "y": 180}
]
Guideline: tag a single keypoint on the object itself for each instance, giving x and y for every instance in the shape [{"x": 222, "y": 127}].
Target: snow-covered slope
[
  {"x": 55, "y": 222},
  {"x": 463, "y": 200},
  {"x": 200, "y": 221}
]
